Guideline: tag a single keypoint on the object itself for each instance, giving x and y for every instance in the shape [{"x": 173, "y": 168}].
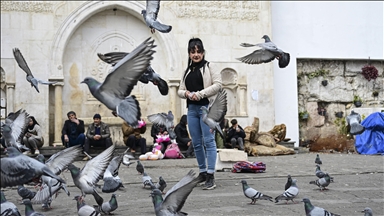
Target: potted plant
[
  {"x": 303, "y": 115},
  {"x": 357, "y": 100}
]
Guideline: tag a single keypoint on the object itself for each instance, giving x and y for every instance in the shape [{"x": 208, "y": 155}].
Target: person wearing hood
[{"x": 182, "y": 137}]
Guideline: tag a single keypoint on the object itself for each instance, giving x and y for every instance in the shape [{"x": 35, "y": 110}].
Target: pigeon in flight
[
  {"x": 311, "y": 210},
  {"x": 84, "y": 209},
  {"x": 289, "y": 194},
  {"x": 14, "y": 129},
  {"x": 289, "y": 183},
  {"x": 115, "y": 90},
  {"x": 318, "y": 160},
  {"x": 86, "y": 178},
  {"x": 23, "y": 65},
  {"x": 367, "y": 211},
  {"x": 267, "y": 53},
  {"x": 107, "y": 207},
  {"x": 126, "y": 160},
  {"x": 253, "y": 194},
  {"x": 29, "y": 211},
  {"x": 353, "y": 121},
  {"x": 8, "y": 208},
  {"x": 166, "y": 120},
  {"x": 150, "y": 17},
  {"x": 174, "y": 199},
  {"x": 214, "y": 114},
  {"x": 18, "y": 169},
  {"x": 149, "y": 74},
  {"x": 111, "y": 178}
]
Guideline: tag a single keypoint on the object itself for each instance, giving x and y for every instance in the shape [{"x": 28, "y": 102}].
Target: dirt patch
[{"x": 339, "y": 143}]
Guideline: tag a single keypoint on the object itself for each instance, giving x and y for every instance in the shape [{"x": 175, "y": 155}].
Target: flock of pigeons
[{"x": 291, "y": 192}]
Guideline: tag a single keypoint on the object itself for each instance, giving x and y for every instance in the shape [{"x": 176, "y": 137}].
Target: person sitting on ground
[
  {"x": 73, "y": 131},
  {"x": 159, "y": 130},
  {"x": 236, "y": 135},
  {"x": 132, "y": 136},
  {"x": 182, "y": 137},
  {"x": 33, "y": 136},
  {"x": 220, "y": 141},
  {"x": 98, "y": 135}
]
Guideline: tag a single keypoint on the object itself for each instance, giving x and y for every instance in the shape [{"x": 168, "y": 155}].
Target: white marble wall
[{"x": 60, "y": 39}]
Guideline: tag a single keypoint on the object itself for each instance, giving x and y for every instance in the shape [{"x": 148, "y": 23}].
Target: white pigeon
[
  {"x": 289, "y": 194},
  {"x": 150, "y": 17},
  {"x": 213, "y": 115}
]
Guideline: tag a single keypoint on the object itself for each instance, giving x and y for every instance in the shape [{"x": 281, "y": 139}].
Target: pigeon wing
[
  {"x": 159, "y": 118},
  {"x": 247, "y": 45},
  {"x": 114, "y": 165},
  {"x": 284, "y": 60},
  {"x": 218, "y": 109},
  {"x": 21, "y": 61},
  {"x": 58, "y": 161},
  {"x": 258, "y": 57},
  {"x": 152, "y": 9},
  {"x": 126, "y": 73},
  {"x": 44, "y": 82},
  {"x": 16, "y": 172},
  {"x": 112, "y": 57},
  {"x": 19, "y": 122}
]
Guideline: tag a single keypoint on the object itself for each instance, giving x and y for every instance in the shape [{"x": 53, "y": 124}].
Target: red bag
[
  {"x": 173, "y": 152},
  {"x": 249, "y": 167}
]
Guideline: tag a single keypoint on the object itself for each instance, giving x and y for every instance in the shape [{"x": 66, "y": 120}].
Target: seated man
[
  {"x": 132, "y": 136},
  {"x": 158, "y": 130},
  {"x": 98, "y": 135},
  {"x": 73, "y": 131},
  {"x": 236, "y": 135},
  {"x": 182, "y": 137}
]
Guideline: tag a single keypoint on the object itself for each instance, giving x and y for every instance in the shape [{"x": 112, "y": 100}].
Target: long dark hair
[
  {"x": 192, "y": 45},
  {"x": 34, "y": 122}
]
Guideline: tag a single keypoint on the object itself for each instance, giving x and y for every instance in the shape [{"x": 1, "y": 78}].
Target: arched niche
[{"x": 235, "y": 93}]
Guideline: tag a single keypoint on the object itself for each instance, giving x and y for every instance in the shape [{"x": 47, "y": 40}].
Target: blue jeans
[
  {"x": 202, "y": 139},
  {"x": 80, "y": 140}
]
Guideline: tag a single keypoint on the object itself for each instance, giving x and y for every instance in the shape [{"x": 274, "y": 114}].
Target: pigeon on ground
[
  {"x": 322, "y": 183},
  {"x": 14, "y": 129},
  {"x": 29, "y": 211},
  {"x": 321, "y": 174},
  {"x": 289, "y": 194},
  {"x": 174, "y": 199},
  {"x": 18, "y": 169},
  {"x": 140, "y": 167},
  {"x": 253, "y": 194},
  {"x": 23, "y": 65},
  {"x": 353, "y": 121},
  {"x": 318, "y": 160},
  {"x": 115, "y": 91},
  {"x": 149, "y": 74},
  {"x": 311, "y": 210},
  {"x": 367, "y": 211},
  {"x": 111, "y": 178},
  {"x": 166, "y": 120},
  {"x": 147, "y": 181},
  {"x": 108, "y": 207},
  {"x": 84, "y": 209},
  {"x": 25, "y": 193},
  {"x": 86, "y": 178},
  {"x": 150, "y": 17},
  {"x": 126, "y": 160},
  {"x": 161, "y": 184},
  {"x": 289, "y": 183},
  {"x": 267, "y": 53},
  {"x": 8, "y": 208},
  {"x": 214, "y": 114}
]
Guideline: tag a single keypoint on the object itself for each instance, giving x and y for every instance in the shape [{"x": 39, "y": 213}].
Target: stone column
[
  {"x": 243, "y": 98},
  {"x": 58, "y": 113},
  {"x": 10, "y": 97},
  {"x": 173, "y": 84}
]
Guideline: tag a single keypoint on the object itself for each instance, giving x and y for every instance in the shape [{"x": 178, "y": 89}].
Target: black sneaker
[
  {"x": 203, "y": 179},
  {"x": 210, "y": 183}
]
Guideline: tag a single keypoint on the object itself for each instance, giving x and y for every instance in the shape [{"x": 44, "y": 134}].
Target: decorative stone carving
[
  {"x": 27, "y": 6},
  {"x": 228, "y": 76},
  {"x": 2, "y": 75},
  {"x": 238, "y": 10}
]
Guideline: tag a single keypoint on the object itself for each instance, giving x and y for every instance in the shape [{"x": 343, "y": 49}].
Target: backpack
[
  {"x": 173, "y": 152},
  {"x": 249, "y": 167}
]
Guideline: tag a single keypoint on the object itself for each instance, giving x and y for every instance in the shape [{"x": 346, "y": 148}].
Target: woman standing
[
  {"x": 199, "y": 85},
  {"x": 33, "y": 138}
]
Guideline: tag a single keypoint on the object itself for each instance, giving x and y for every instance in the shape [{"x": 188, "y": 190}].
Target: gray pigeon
[
  {"x": 166, "y": 120},
  {"x": 174, "y": 199},
  {"x": 29, "y": 211},
  {"x": 213, "y": 115},
  {"x": 321, "y": 174},
  {"x": 267, "y": 53},
  {"x": 23, "y": 65},
  {"x": 14, "y": 129},
  {"x": 115, "y": 90},
  {"x": 147, "y": 181},
  {"x": 8, "y": 208},
  {"x": 148, "y": 76},
  {"x": 18, "y": 169},
  {"x": 108, "y": 207},
  {"x": 353, "y": 121},
  {"x": 318, "y": 160},
  {"x": 289, "y": 183},
  {"x": 150, "y": 17},
  {"x": 140, "y": 167},
  {"x": 161, "y": 184},
  {"x": 25, "y": 193},
  {"x": 84, "y": 209},
  {"x": 311, "y": 210},
  {"x": 86, "y": 178},
  {"x": 367, "y": 211},
  {"x": 111, "y": 178},
  {"x": 253, "y": 194},
  {"x": 289, "y": 194},
  {"x": 322, "y": 183}
]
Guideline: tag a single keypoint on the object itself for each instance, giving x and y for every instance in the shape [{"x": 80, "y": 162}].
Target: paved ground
[{"x": 359, "y": 183}]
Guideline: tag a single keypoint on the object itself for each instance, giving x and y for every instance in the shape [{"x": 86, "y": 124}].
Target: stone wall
[{"x": 345, "y": 80}]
